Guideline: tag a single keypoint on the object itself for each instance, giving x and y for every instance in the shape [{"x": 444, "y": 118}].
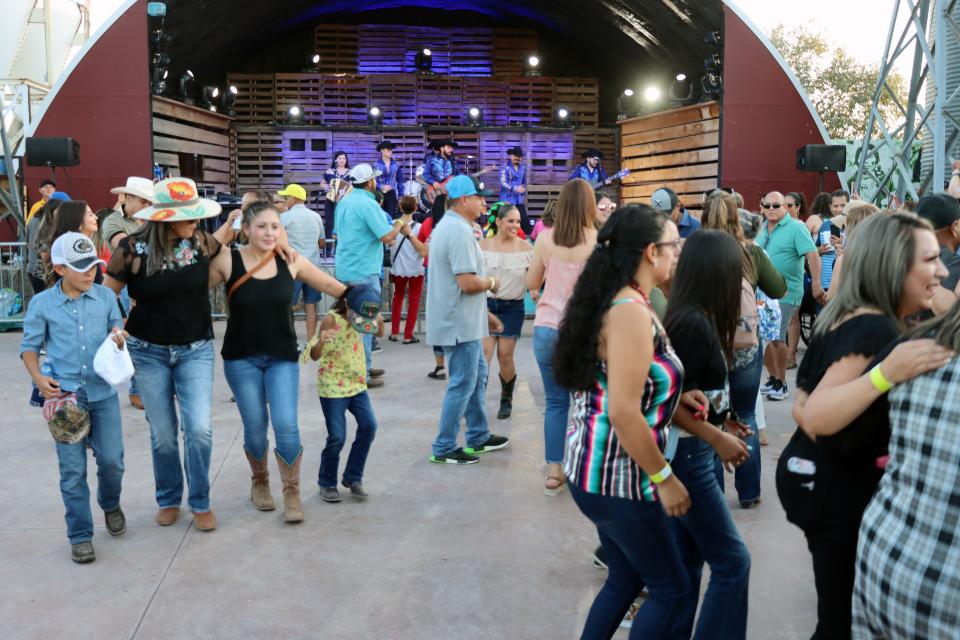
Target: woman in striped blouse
[{"x": 615, "y": 470}]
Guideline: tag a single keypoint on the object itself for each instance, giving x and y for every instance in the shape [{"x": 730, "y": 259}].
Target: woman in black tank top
[{"x": 260, "y": 349}]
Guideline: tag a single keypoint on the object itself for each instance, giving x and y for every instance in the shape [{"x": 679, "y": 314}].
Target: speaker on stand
[
  {"x": 822, "y": 158},
  {"x": 53, "y": 153}
]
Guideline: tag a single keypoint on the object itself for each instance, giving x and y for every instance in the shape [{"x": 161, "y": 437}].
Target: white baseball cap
[
  {"x": 140, "y": 187},
  {"x": 76, "y": 251},
  {"x": 363, "y": 173}
]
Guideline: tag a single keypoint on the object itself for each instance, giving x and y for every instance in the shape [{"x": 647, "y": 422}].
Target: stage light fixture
[
  {"x": 186, "y": 87},
  {"x": 474, "y": 117},
  {"x": 423, "y": 60},
  {"x": 531, "y": 66},
  {"x": 561, "y": 117},
  {"x": 628, "y": 104},
  {"x": 210, "y": 95},
  {"x": 713, "y": 39},
  {"x": 228, "y": 101},
  {"x": 213, "y": 108},
  {"x": 159, "y": 84},
  {"x": 681, "y": 91},
  {"x": 712, "y": 86},
  {"x": 652, "y": 94},
  {"x": 294, "y": 115},
  {"x": 159, "y": 59},
  {"x": 711, "y": 63},
  {"x": 681, "y": 77},
  {"x": 159, "y": 38},
  {"x": 313, "y": 63},
  {"x": 374, "y": 116}
]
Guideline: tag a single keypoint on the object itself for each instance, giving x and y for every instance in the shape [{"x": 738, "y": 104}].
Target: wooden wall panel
[
  {"x": 580, "y": 96},
  {"x": 179, "y": 128}
]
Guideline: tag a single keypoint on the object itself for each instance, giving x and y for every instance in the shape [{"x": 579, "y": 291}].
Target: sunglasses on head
[{"x": 768, "y": 205}]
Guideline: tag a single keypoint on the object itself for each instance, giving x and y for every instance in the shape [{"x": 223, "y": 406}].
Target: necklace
[{"x": 633, "y": 284}]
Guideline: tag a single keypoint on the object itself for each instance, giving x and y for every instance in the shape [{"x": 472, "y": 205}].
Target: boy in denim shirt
[{"x": 71, "y": 319}]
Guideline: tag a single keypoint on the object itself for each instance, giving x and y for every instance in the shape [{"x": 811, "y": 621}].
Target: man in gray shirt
[
  {"x": 457, "y": 321},
  {"x": 305, "y": 231}
]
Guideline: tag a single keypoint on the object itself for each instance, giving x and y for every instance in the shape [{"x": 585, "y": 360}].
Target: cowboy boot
[
  {"x": 290, "y": 474},
  {"x": 260, "y": 488},
  {"x": 506, "y": 397}
]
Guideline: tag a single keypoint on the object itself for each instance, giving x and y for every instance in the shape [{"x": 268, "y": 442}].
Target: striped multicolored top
[{"x": 594, "y": 459}]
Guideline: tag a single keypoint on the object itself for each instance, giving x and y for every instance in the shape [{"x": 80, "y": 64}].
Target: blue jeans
[
  {"x": 259, "y": 381},
  {"x": 744, "y": 385},
  {"x": 335, "y": 415},
  {"x": 707, "y": 533},
  {"x": 557, "y": 397},
  {"x": 466, "y": 393},
  {"x": 184, "y": 372},
  {"x": 375, "y": 282},
  {"x": 641, "y": 550},
  {"x": 125, "y": 303},
  {"x": 106, "y": 439}
]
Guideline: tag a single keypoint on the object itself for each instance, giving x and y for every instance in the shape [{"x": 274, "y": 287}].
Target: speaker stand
[{"x": 820, "y": 185}]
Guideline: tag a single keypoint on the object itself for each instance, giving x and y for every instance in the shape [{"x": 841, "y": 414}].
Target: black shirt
[
  {"x": 173, "y": 304},
  {"x": 261, "y": 318},
  {"x": 704, "y": 367}
]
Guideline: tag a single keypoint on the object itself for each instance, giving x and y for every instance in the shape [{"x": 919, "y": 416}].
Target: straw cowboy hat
[
  {"x": 140, "y": 187},
  {"x": 175, "y": 200}
]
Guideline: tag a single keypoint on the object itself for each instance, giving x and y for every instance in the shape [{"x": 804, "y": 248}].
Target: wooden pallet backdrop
[
  {"x": 676, "y": 148},
  {"x": 183, "y": 129},
  {"x": 408, "y": 98}
]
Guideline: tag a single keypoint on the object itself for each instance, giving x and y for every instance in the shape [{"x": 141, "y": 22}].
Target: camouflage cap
[{"x": 68, "y": 422}]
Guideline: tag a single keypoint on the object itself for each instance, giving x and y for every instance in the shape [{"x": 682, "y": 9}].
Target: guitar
[
  {"x": 619, "y": 175},
  {"x": 429, "y": 194}
]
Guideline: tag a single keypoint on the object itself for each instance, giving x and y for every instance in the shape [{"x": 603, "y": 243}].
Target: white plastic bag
[{"x": 113, "y": 364}]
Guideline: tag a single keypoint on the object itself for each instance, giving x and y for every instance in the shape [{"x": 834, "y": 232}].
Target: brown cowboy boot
[
  {"x": 260, "y": 488},
  {"x": 290, "y": 474}
]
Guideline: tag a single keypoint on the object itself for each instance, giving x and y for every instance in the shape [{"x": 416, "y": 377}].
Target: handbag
[
  {"x": 113, "y": 363},
  {"x": 796, "y": 479}
]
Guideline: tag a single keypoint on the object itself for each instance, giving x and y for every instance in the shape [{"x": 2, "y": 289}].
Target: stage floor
[{"x": 436, "y": 552}]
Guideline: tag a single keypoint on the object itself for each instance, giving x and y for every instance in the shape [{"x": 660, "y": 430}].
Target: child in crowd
[
  {"x": 342, "y": 387},
  {"x": 71, "y": 320}
]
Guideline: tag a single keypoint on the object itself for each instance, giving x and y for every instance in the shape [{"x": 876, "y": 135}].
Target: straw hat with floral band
[{"x": 177, "y": 200}]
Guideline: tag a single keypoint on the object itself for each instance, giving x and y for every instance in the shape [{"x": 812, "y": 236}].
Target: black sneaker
[
  {"x": 767, "y": 386},
  {"x": 457, "y": 456},
  {"x": 779, "y": 392},
  {"x": 600, "y": 558},
  {"x": 492, "y": 444},
  {"x": 82, "y": 552},
  {"x": 116, "y": 522}
]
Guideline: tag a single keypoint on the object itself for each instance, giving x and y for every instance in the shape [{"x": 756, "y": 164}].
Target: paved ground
[{"x": 473, "y": 552}]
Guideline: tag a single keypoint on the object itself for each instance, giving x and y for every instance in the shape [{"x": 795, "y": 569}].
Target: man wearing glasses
[{"x": 787, "y": 241}]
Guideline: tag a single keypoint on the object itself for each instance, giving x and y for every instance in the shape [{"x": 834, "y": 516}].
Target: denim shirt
[
  {"x": 511, "y": 177},
  {"x": 596, "y": 177},
  {"x": 72, "y": 330},
  {"x": 437, "y": 169},
  {"x": 388, "y": 177}
]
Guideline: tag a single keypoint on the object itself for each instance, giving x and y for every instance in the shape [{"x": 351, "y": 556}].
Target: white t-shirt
[
  {"x": 407, "y": 263},
  {"x": 304, "y": 229}
]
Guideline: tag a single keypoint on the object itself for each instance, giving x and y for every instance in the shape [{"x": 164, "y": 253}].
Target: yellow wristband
[
  {"x": 662, "y": 475},
  {"x": 879, "y": 381}
]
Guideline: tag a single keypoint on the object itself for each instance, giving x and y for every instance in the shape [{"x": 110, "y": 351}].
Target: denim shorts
[
  {"x": 310, "y": 295},
  {"x": 511, "y": 314},
  {"x": 788, "y": 311}
]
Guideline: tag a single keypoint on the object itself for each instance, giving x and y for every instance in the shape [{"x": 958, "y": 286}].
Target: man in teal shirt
[
  {"x": 361, "y": 231},
  {"x": 787, "y": 241}
]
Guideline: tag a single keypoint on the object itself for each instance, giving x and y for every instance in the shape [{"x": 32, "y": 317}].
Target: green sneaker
[
  {"x": 457, "y": 456},
  {"x": 492, "y": 444}
]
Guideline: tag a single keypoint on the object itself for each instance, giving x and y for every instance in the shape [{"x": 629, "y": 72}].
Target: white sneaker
[
  {"x": 779, "y": 392},
  {"x": 766, "y": 387}
]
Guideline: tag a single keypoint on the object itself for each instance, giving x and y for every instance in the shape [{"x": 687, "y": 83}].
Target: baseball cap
[
  {"x": 363, "y": 306},
  {"x": 75, "y": 251},
  {"x": 363, "y": 173},
  {"x": 464, "y": 185},
  {"x": 940, "y": 209},
  {"x": 294, "y": 191},
  {"x": 664, "y": 199},
  {"x": 60, "y": 195}
]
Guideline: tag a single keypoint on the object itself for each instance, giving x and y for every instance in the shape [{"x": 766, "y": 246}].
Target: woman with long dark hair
[
  {"x": 832, "y": 465},
  {"x": 558, "y": 258},
  {"x": 76, "y": 215},
  {"x": 39, "y": 240},
  {"x": 614, "y": 355},
  {"x": 701, "y": 320},
  {"x": 339, "y": 170}
]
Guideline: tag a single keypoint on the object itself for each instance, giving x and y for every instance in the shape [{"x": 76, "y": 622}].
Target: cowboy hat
[
  {"x": 386, "y": 144},
  {"x": 515, "y": 151},
  {"x": 140, "y": 187},
  {"x": 446, "y": 142},
  {"x": 592, "y": 153},
  {"x": 175, "y": 200}
]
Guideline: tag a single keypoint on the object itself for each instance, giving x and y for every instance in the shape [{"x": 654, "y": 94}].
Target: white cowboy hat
[
  {"x": 363, "y": 173},
  {"x": 140, "y": 187},
  {"x": 176, "y": 199}
]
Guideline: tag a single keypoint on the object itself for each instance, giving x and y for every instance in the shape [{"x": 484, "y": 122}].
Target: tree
[{"x": 840, "y": 88}]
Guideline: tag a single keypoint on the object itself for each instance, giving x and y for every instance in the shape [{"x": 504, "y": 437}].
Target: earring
[{"x": 656, "y": 264}]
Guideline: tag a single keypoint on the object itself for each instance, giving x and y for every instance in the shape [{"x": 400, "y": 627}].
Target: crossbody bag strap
[{"x": 249, "y": 274}]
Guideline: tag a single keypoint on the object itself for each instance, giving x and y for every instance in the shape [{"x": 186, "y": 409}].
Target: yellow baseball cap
[{"x": 294, "y": 191}]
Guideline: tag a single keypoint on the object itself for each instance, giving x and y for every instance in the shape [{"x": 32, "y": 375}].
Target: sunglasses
[{"x": 767, "y": 205}]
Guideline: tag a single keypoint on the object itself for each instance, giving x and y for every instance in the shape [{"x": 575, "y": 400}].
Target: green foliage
[{"x": 840, "y": 88}]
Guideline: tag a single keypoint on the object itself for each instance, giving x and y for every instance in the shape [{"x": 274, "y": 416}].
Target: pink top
[
  {"x": 560, "y": 278},
  {"x": 537, "y": 228}
]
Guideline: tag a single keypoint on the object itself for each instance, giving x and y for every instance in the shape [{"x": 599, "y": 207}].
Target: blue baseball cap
[
  {"x": 464, "y": 185},
  {"x": 60, "y": 195},
  {"x": 363, "y": 307}
]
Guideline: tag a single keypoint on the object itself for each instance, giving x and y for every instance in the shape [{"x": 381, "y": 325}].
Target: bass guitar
[
  {"x": 619, "y": 175},
  {"x": 429, "y": 193}
]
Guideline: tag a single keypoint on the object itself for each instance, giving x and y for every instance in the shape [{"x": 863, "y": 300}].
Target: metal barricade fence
[{"x": 15, "y": 287}]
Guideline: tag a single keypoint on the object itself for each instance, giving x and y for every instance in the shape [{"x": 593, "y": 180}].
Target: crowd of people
[{"x": 651, "y": 319}]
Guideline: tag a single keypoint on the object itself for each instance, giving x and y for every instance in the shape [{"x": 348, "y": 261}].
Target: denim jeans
[
  {"x": 125, "y": 304},
  {"x": 465, "y": 397},
  {"x": 641, "y": 550},
  {"x": 707, "y": 533},
  {"x": 184, "y": 372},
  {"x": 744, "y": 384},
  {"x": 335, "y": 415},
  {"x": 106, "y": 439},
  {"x": 375, "y": 282},
  {"x": 557, "y": 397},
  {"x": 259, "y": 381}
]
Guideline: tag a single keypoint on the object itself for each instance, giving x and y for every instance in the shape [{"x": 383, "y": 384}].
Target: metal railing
[{"x": 15, "y": 287}]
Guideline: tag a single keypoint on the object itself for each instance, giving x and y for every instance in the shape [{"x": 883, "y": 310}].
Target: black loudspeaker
[
  {"x": 822, "y": 157},
  {"x": 56, "y": 152}
]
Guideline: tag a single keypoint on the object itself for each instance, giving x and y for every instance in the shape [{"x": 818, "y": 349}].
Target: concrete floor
[{"x": 437, "y": 551}]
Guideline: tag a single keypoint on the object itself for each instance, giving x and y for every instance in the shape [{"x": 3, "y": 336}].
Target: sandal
[
  {"x": 559, "y": 483},
  {"x": 437, "y": 374},
  {"x": 392, "y": 338},
  {"x": 411, "y": 341}
]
